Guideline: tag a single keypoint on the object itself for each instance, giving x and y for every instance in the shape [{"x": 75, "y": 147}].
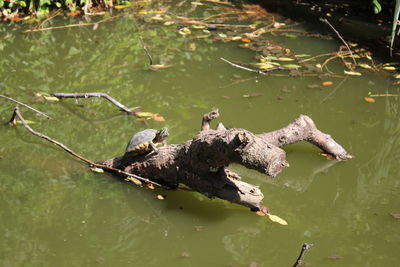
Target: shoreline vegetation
[{"x": 21, "y": 10}]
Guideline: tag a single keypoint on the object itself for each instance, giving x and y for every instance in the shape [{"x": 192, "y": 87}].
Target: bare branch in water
[
  {"x": 73, "y": 153},
  {"x": 341, "y": 38},
  {"x": 25, "y": 105},
  {"x": 87, "y": 95}
]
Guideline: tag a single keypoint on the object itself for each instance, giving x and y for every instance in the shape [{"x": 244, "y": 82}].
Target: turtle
[{"x": 146, "y": 141}]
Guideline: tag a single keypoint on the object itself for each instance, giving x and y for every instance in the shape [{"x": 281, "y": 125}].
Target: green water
[{"x": 56, "y": 212}]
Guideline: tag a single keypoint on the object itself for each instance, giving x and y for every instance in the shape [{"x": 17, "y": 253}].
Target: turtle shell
[{"x": 140, "y": 141}]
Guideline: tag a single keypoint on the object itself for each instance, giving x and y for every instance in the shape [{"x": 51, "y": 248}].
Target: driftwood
[{"x": 201, "y": 163}]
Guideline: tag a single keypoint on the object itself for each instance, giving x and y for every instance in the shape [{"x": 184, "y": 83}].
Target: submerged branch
[
  {"x": 76, "y": 25},
  {"x": 304, "y": 248},
  {"x": 88, "y": 95}
]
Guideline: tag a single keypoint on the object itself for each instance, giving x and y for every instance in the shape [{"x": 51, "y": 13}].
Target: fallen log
[{"x": 201, "y": 163}]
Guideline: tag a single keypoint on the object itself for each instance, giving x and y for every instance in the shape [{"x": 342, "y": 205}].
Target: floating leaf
[
  {"x": 150, "y": 186},
  {"x": 197, "y": 3},
  {"x": 167, "y": 23},
  {"x": 396, "y": 76},
  {"x": 327, "y": 83},
  {"x": 389, "y": 68},
  {"x": 284, "y": 59},
  {"x": 236, "y": 38},
  {"x": 369, "y": 99},
  {"x": 98, "y": 170},
  {"x": 313, "y": 86},
  {"x": 192, "y": 47},
  {"x": 159, "y": 66},
  {"x": 157, "y": 117},
  {"x": 352, "y": 73},
  {"x": 197, "y": 26},
  {"x": 160, "y": 197},
  {"x": 51, "y": 98},
  {"x": 395, "y": 215},
  {"x": 365, "y": 66},
  {"x": 222, "y": 35},
  {"x": 185, "y": 31},
  {"x": 120, "y": 7},
  {"x": 265, "y": 66},
  {"x": 157, "y": 17},
  {"x": 277, "y": 219},
  {"x": 302, "y": 55},
  {"x": 134, "y": 180},
  {"x": 292, "y": 66},
  {"x": 142, "y": 12},
  {"x": 143, "y": 114},
  {"x": 246, "y": 40}
]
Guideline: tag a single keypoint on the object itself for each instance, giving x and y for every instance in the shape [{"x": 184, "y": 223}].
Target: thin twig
[
  {"x": 242, "y": 67},
  {"x": 145, "y": 50},
  {"x": 314, "y": 57},
  {"x": 71, "y": 152},
  {"x": 334, "y": 90},
  {"x": 341, "y": 38},
  {"x": 384, "y": 95},
  {"x": 53, "y": 15},
  {"x": 25, "y": 105},
  {"x": 304, "y": 248},
  {"x": 75, "y": 25},
  {"x": 87, "y": 95}
]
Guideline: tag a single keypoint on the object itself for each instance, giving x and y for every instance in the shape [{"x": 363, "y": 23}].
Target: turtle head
[{"x": 162, "y": 134}]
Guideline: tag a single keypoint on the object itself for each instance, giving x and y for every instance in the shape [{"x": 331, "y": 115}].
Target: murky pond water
[{"x": 56, "y": 212}]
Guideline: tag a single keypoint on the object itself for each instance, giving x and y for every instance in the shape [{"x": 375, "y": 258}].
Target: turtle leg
[{"x": 153, "y": 146}]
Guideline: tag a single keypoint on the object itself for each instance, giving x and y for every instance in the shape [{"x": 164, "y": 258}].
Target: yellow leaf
[
  {"x": 197, "y": 3},
  {"x": 157, "y": 17},
  {"x": 143, "y": 114},
  {"x": 196, "y": 26},
  {"x": 150, "y": 186},
  {"x": 389, "y": 68},
  {"x": 134, "y": 180},
  {"x": 277, "y": 219},
  {"x": 397, "y": 76},
  {"x": 265, "y": 66},
  {"x": 167, "y": 23},
  {"x": 142, "y": 12},
  {"x": 365, "y": 66},
  {"x": 51, "y": 98},
  {"x": 192, "y": 47},
  {"x": 352, "y": 73},
  {"x": 369, "y": 99},
  {"x": 159, "y": 66},
  {"x": 185, "y": 31},
  {"x": 285, "y": 59},
  {"x": 98, "y": 170},
  {"x": 236, "y": 38},
  {"x": 120, "y": 7}
]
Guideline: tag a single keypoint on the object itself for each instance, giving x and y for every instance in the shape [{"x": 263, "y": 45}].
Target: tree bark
[{"x": 201, "y": 163}]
